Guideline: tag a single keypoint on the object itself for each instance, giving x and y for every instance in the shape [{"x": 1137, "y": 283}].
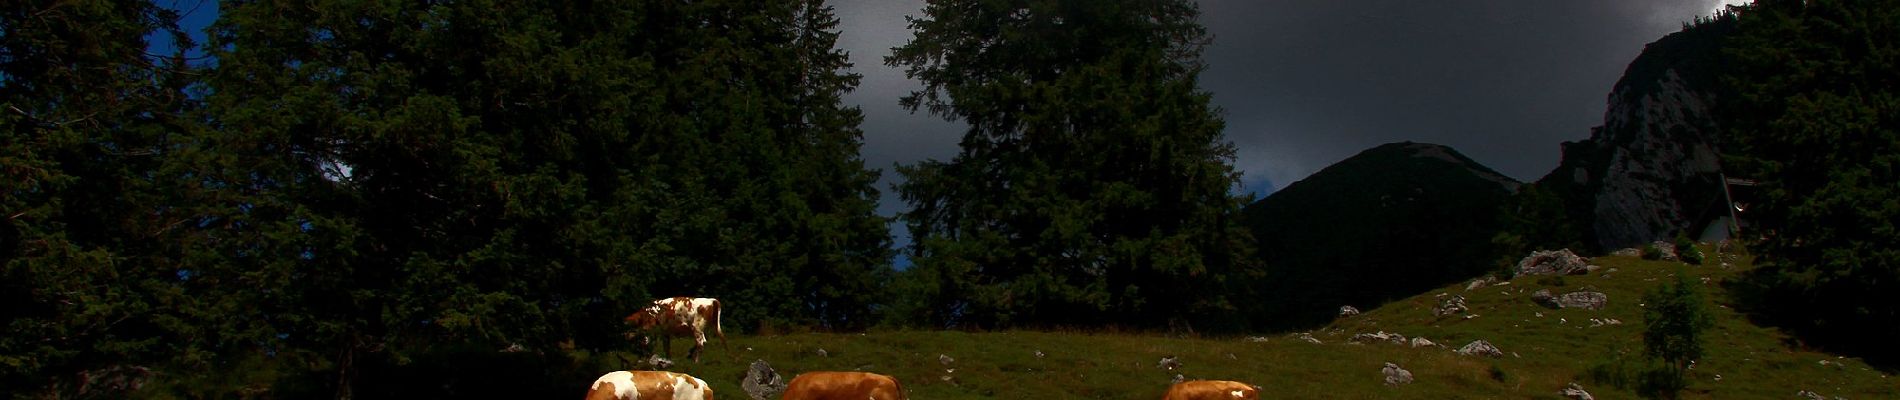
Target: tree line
[{"x": 346, "y": 186}]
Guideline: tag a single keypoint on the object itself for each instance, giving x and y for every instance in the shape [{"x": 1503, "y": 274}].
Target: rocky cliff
[{"x": 1651, "y": 169}]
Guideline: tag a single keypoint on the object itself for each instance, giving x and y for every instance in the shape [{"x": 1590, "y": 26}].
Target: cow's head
[{"x": 643, "y": 319}]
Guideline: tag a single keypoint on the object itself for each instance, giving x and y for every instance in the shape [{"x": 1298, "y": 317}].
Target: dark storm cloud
[{"x": 1306, "y": 83}]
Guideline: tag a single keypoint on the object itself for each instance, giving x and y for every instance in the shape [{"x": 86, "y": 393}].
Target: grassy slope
[{"x": 1542, "y": 353}]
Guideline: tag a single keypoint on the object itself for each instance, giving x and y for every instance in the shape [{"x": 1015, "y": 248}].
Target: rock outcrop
[
  {"x": 761, "y": 382},
  {"x": 1575, "y": 392},
  {"x": 1552, "y": 262},
  {"x": 1651, "y": 169},
  {"x": 1347, "y": 311},
  {"x": 1395, "y": 376},
  {"x": 1453, "y": 304},
  {"x": 1481, "y": 348},
  {"x": 1588, "y": 300}
]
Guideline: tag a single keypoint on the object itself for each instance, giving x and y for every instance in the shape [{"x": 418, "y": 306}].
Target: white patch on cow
[
  {"x": 686, "y": 387},
  {"x": 1239, "y": 393},
  {"x": 623, "y": 384}
]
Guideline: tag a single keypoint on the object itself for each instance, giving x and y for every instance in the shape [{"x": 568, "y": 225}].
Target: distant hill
[{"x": 1390, "y": 222}]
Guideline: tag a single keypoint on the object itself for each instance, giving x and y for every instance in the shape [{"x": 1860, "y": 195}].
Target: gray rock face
[
  {"x": 1453, "y": 304},
  {"x": 1575, "y": 392},
  {"x": 761, "y": 382},
  {"x": 1554, "y": 262},
  {"x": 1347, "y": 311},
  {"x": 1481, "y": 348},
  {"x": 1542, "y": 297},
  {"x": 1481, "y": 283},
  {"x": 1651, "y": 169},
  {"x": 1395, "y": 376}
]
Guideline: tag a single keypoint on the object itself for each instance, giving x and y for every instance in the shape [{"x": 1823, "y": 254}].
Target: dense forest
[{"x": 337, "y": 187}]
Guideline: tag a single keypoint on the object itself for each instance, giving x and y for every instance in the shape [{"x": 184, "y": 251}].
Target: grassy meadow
[{"x": 1544, "y": 350}]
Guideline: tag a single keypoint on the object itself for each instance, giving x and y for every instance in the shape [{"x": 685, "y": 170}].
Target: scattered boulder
[
  {"x": 1595, "y": 322},
  {"x": 1256, "y": 339},
  {"x": 1040, "y": 355},
  {"x": 658, "y": 362},
  {"x": 1382, "y": 336},
  {"x": 945, "y": 359},
  {"x": 1481, "y": 348},
  {"x": 1588, "y": 300},
  {"x": 1481, "y": 283},
  {"x": 761, "y": 382},
  {"x": 1178, "y": 378},
  {"x": 1169, "y": 363},
  {"x": 1630, "y": 252},
  {"x": 1422, "y": 342},
  {"x": 1449, "y": 305},
  {"x": 1575, "y": 392},
  {"x": 1584, "y": 299},
  {"x": 1347, "y": 311},
  {"x": 1555, "y": 262},
  {"x": 823, "y": 353},
  {"x": 1306, "y": 337},
  {"x": 1665, "y": 251},
  {"x": 1395, "y": 376},
  {"x": 1810, "y": 395}
]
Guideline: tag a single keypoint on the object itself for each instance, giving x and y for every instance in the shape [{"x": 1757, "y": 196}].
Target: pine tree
[
  {"x": 1810, "y": 111},
  {"x": 1092, "y": 184}
]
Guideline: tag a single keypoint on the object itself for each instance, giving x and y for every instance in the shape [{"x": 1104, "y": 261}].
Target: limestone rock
[
  {"x": 1453, "y": 304},
  {"x": 1481, "y": 283},
  {"x": 1665, "y": 251},
  {"x": 1554, "y": 262},
  {"x": 1395, "y": 376},
  {"x": 1422, "y": 342},
  {"x": 1169, "y": 363},
  {"x": 1584, "y": 299},
  {"x": 1481, "y": 348},
  {"x": 945, "y": 359},
  {"x": 1575, "y": 392},
  {"x": 1306, "y": 337},
  {"x": 1347, "y": 311},
  {"x": 1381, "y": 336},
  {"x": 761, "y": 382}
]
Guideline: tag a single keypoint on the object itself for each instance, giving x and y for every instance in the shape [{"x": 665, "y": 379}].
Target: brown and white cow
[
  {"x": 681, "y": 316},
  {"x": 843, "y": 386},
  {"x": 649, "y": 385},
  {"x": 1212, "y": 390}
]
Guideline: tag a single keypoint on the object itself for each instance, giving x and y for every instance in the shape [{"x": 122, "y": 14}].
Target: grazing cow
[
  {"x": 843, "y": 386},
  {"x": 1212, "y": 390},
  {"x": 649, "y": 385},
  {"x": 681, "y": 316}
]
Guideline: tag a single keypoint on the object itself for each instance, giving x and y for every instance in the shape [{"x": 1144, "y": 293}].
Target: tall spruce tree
[
  {"x": 1092, "y": 185},
  {"x": 1813, "y": 114},
  {"x": 88, "y": 273}
]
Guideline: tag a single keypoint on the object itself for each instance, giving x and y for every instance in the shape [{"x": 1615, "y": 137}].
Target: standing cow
[
  {"x": 638, "y": 385},
  {"x": 843, "y": 386},
  {"x": 681, "y": 316},
  {"x": 1212, "y": 390}
]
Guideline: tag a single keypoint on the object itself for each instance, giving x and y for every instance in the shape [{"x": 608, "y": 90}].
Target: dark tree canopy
[
  {"x": 350, "y": 190},
  {"x": 1813, "y": 114},
  {"x": 1092, "y": 185}
]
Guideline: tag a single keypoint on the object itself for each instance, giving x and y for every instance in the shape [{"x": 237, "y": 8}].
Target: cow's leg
[{"x": 699, "y": 344}]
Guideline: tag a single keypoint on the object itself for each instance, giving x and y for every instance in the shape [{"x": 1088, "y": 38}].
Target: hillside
[
  {"x": 1389, "y": 222},
  {"x": 1542, "y": 353}
]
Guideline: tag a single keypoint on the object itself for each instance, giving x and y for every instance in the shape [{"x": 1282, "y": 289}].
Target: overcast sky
[{"x": 1306, "y": 83}]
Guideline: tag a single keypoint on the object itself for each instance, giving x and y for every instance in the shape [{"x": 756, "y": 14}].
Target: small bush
[
  {"x": 1686, "y": 250},
  {"x": 1651, "y": 252},
  {"x": 1498, "y": 374}
]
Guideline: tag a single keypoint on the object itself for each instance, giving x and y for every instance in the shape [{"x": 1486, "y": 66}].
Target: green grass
[{"x": 1542, "y": 353}]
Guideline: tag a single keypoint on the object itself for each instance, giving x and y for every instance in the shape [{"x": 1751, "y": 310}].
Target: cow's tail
[
  {"x": 901, "y": 395},
  {"x": 719, "y": 321}
]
